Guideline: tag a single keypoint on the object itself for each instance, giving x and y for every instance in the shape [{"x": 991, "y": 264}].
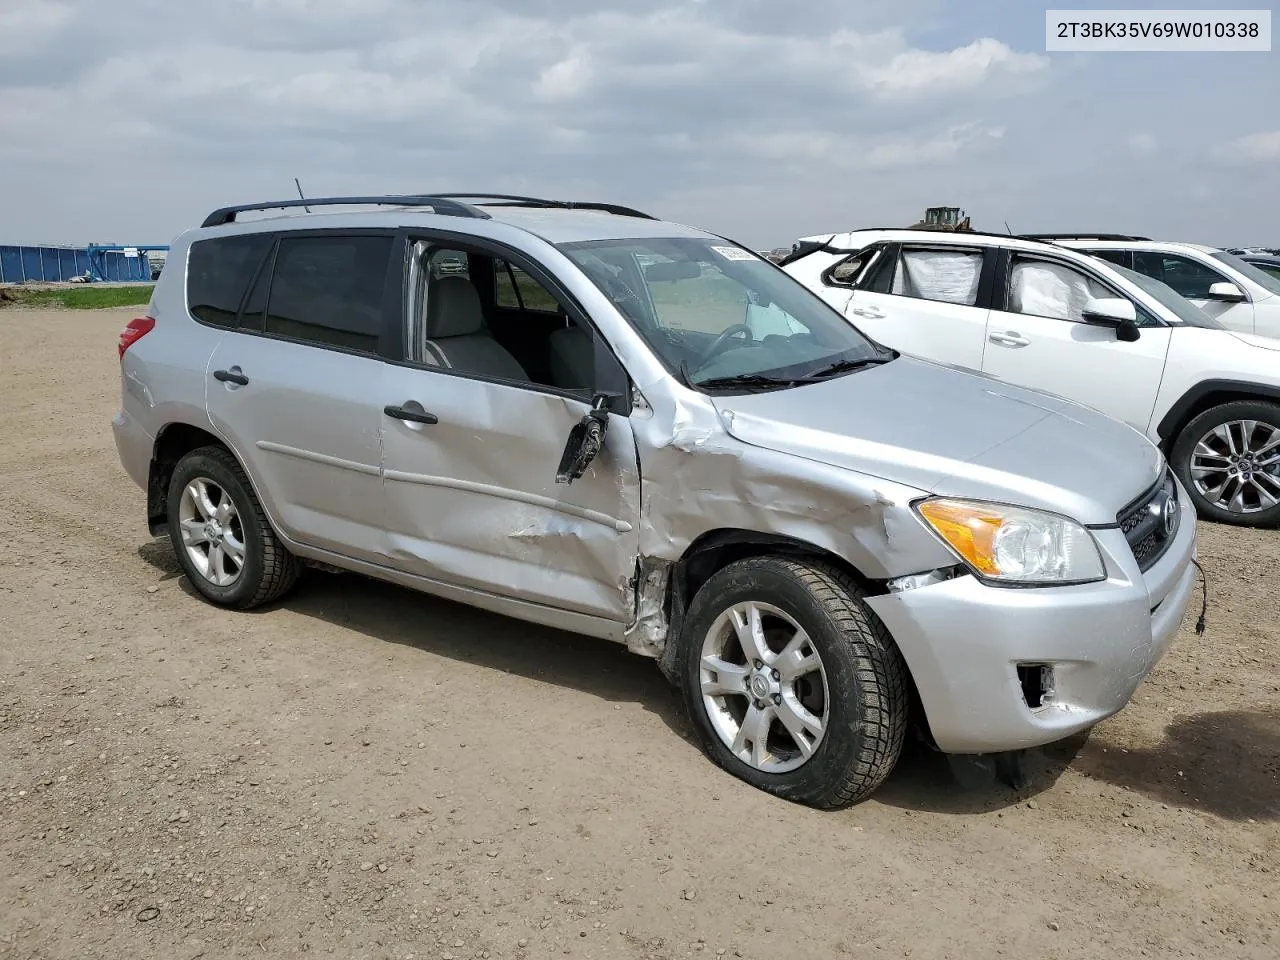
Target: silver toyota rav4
[{"x": 582, "y": 416}]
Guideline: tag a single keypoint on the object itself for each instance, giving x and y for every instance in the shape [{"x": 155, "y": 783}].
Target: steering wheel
[{"x": 722, "y": 341}]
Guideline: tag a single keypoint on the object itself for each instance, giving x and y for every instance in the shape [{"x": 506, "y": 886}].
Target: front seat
[{"x": 456, "y": 334}]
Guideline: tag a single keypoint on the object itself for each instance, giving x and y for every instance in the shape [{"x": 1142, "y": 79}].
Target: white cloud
[
  {"x": 919, "y": 72},
  {"x": 1254, "y": 148},
  {"x": 565, "y": 79},
  {"x": 1143, "y": 144},
  {"x": 937, "y": 150}
]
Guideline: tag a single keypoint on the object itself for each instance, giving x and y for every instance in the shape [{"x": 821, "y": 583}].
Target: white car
[
  {"x": 1054, "y": 319},
  {"x": 1236, "y": 293}
]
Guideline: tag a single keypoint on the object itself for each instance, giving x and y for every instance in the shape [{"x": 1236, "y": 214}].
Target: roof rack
[
  {"x": 446, "y": 204},
  {"x": 1082, "y": 236},
  {"x": 513, "y": 200},
  {"x": 440, "y": 204}
]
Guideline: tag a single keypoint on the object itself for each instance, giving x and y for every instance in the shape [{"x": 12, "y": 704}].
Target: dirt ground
[{"x": 365, "y": 772}]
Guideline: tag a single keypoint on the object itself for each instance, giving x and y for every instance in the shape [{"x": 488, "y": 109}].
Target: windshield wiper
[
  {"x": 844, "y": 366},
  {"x": 749, "y": 381}
]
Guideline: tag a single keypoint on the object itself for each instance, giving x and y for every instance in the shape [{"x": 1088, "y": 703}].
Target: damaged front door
[
  {"x": 472, "y": 499},
  {"x": 475, "y": 426}
]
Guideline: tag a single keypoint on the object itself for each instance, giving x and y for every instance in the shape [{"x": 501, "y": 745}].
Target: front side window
[
  {"x": 1186, "y": 277},
  {"x": 945, "y": 276},
  {"x": 1267, "y": 277},
  {"x": 328, "y": 291},
  {"x": 514, "y": 289},
  {"x": 494, "y": 320},
  {"x": 219, "y": 271},
  {"x": 1044, "y": 288},
  {"x": 1182, "y": 308},
  {"x": 718, "y": 316}
]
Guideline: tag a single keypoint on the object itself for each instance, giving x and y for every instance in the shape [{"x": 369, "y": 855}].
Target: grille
[{"x": 1144, "y": 522}]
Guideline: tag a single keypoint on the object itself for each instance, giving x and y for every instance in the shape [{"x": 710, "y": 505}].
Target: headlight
[{"x": 1013, "y": 544}]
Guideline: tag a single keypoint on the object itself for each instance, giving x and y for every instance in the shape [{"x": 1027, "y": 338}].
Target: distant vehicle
[
  {"x": 1057, "y": 319},
  {"x": 1267, "y": 263},
  {"x": 1238, "y": 294},
  {"x": 643, "y": 432}
]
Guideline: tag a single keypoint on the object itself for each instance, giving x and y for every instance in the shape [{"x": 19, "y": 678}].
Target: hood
[
  {"x": 953, "y": 433},
  {"x": 1253, "y": 340}
]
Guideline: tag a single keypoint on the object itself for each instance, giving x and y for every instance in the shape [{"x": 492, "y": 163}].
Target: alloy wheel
[
  {"x": 1236, "y": 466},
  {"x": 211, "y": 531},
  {"x": 764, "y": 687}
]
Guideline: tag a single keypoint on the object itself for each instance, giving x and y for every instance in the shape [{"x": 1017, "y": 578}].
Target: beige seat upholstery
[{"x": 456, "y": 334}]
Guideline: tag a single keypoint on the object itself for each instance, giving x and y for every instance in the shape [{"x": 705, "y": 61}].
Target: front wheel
[
  {"x": 792, "y": 683},
  {"x": 1228, "y": 459}
]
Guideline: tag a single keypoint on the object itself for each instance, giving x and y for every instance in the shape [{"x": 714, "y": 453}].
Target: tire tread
[{"x": 280, "y": 568}]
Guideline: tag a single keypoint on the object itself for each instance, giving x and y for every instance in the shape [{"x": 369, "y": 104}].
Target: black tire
[
  {"x": 868, "y": 696},
  {"x": 269, "y": 570},
  {"x": 1201, "y": 425}
]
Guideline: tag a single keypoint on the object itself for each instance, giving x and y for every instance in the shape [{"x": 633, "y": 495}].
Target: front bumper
[{"x": 963, "y": 642}]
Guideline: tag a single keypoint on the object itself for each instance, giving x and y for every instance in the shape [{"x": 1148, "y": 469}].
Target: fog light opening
[{"x": 1037, "y": 684}]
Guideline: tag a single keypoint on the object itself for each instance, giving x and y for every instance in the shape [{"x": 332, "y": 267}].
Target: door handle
[
  {"x": 231, "y": 376},
  {"x": 1010, "y": 339},
  {"x": 867, "y": 312},
  {"x": 413, "y": 416}
]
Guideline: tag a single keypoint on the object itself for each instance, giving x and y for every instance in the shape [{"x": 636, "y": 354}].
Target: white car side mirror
[
  {"x": 1115, "y": 312},
  {"x": 1109, "y": 311},
  {"x": 1226, "y": 292}
]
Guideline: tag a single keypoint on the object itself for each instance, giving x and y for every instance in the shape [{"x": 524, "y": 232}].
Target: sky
[{"x": 129, "y": 120}]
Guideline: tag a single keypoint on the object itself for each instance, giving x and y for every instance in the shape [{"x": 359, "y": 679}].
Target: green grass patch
[{"x": 80, "y": 297}]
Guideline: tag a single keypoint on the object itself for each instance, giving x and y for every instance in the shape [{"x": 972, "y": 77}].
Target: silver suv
[{"x": 581, "y": 416}]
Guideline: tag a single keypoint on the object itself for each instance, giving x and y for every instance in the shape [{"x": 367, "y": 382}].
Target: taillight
[{"x": 134, "y": 331}]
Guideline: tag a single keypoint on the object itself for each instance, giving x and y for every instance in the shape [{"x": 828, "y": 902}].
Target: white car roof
[
  {"x": 858, "y": 239},
  {"x": 1170, "y": 246}
]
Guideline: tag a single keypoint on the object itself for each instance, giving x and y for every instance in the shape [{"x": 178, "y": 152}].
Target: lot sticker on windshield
[{"x": 734, "y": 253}]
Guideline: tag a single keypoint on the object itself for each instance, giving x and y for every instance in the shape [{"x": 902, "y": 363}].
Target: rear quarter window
[{"x": 219, "y": 271}]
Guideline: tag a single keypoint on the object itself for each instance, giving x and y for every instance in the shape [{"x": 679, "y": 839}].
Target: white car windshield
[
  {"x": 720, "y": 317},
  {"x": 1186, "y": 311},
  {"x": 1263, "y": 279}
]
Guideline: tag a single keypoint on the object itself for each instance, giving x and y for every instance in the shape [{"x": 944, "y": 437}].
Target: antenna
[
  {"x": 1006, "y": 227},
  {"x": 300, "y": 196}
]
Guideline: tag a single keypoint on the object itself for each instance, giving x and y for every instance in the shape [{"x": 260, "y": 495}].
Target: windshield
[
  {"x": 1263, "y": 279},
  {"x": 720, "y": 317},
  {"x": 1186, "y": 311}
]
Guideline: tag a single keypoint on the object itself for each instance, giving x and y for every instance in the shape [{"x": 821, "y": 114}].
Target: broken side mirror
[{"x": 586, "y": 440}]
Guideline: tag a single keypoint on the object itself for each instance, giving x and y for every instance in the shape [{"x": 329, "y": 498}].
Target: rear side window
[
  {"x": 946, "y": 276},
  {"x": 1121, "y": 258},
  {"x": 328, "y": 291},
  {"x": 219, "y": 272}
]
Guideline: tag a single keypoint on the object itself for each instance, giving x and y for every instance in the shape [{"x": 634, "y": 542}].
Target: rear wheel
[
  {"x": 792, "y": 683},
  {"x": 221, "y": 535},
  {"x": 1228, "y": 458}
]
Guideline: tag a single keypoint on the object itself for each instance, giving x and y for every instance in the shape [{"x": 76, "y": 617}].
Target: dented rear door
[{"x": 471, "y": 499}]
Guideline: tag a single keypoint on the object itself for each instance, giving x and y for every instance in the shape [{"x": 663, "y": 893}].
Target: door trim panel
[
  {"x": 506, "y": 493},
  {"x": 271, "y": 446}
]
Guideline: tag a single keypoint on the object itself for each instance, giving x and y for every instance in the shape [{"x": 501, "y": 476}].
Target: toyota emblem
[{"x": 1169, "y": 514}]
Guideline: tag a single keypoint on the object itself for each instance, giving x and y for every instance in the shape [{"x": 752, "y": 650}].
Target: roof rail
[
  {"x": 1082, "y": 236},
  {"x": 514, "y": 200},
  {"x": 443, "y": 205}
]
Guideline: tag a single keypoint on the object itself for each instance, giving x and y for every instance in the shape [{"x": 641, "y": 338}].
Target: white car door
[
  {"x": 1040, "y": 340},
  {"x": 923, "y": 301}
]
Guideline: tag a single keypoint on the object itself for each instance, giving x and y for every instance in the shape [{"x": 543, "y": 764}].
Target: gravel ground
[{"x": 365, "y": 772}]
